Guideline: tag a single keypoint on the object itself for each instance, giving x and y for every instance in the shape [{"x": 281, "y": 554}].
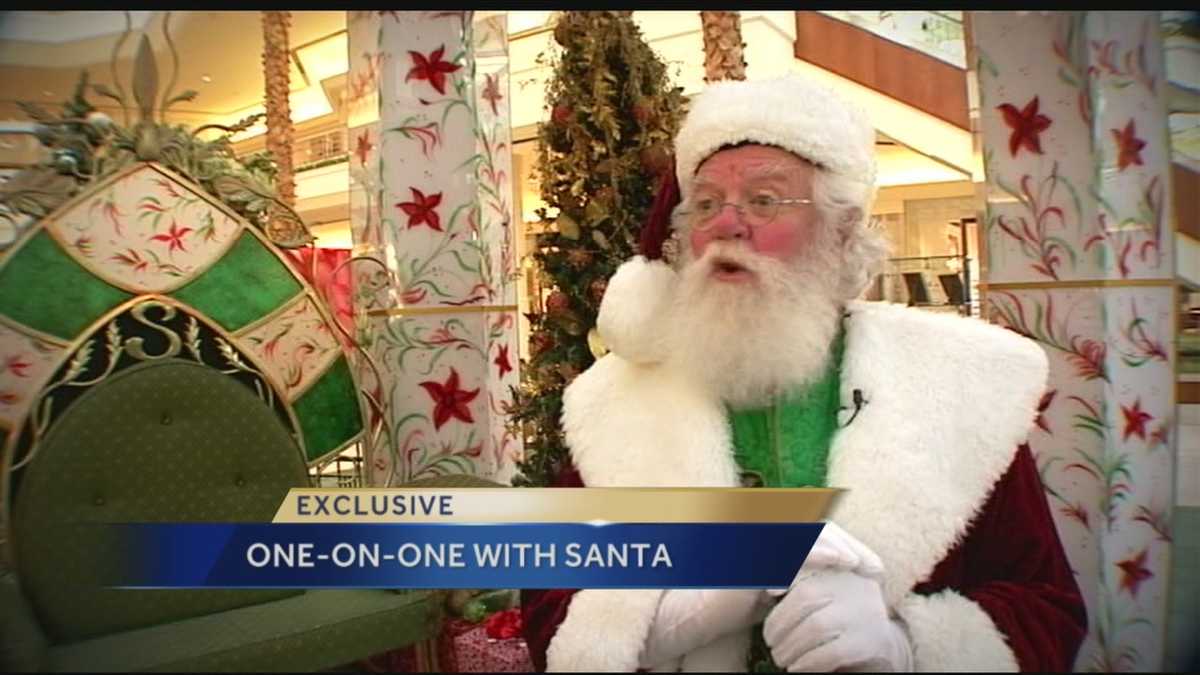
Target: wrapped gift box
[{"x": 494, "y": 646}]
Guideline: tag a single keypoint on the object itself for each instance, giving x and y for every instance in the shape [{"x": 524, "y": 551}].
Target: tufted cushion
[{"x": 163, "y": 441}]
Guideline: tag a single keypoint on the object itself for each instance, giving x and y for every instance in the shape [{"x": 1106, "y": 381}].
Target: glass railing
[
  {"x": 1181, "y": 52},
  {"x": 938, "y": 34},
  {"x": 940, "y": 283}
]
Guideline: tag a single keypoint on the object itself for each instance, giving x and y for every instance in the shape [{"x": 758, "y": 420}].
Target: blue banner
[{"x": 445, "y": 556}]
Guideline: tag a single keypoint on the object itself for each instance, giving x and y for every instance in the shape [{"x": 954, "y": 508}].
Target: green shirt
[{"x": 786, "y": 444}]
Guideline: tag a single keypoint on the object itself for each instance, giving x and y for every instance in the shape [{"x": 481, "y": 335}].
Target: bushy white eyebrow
[{"x": 774, "y": 171}]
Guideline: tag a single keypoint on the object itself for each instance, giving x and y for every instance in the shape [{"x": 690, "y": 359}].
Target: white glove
[
  {"x": 836, "y": 549},
  {"x": 836, "y": 620},
  {"x": 691, "y": 618}
]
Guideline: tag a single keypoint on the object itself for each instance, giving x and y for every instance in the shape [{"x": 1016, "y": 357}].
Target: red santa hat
[{"x": 789, "y": 112}]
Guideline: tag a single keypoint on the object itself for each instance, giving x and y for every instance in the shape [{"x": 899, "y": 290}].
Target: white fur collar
[{"x": 949, "y": 400}]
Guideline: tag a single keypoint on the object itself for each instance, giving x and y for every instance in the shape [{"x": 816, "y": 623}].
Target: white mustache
[{"x": 732, "y": 253}]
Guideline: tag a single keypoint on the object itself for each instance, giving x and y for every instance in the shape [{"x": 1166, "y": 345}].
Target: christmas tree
[{"x": 613, "y": 113}]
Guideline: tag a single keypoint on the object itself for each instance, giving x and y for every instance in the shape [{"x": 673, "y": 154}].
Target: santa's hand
[
  {"x": 690, "y": 618},
  {"x": 836, "y": 620},
  {"x": 836, "y": 549}
]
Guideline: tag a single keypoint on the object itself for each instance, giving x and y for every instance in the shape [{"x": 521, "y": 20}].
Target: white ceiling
[{"x": 62, "y": 27}]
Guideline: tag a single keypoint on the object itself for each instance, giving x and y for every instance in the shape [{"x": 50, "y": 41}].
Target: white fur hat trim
[{"x": 790, "y": 112}]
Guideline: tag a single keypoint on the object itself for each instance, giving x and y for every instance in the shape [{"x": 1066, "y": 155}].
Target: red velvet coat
[{"x": 1010, "y": 562}]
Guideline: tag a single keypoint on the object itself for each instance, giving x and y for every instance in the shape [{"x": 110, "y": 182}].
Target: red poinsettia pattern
[
  {"x": 173, "y": 238},
  {"x": 1135, "y": 420},
  {"x": 449, "y": 400},
  {"x": 422, "y": 209},
  {"x": 502, "y": 363},
  {"x": 1081, "y": 94},
  {"x": 1134, "y": 572},
  {"x": 491, "y": 91},
  {"x": 432, "y": 68},
  {"x": 1129, "y": 146},
  {"x": 1027, "y": 124},
  {"x": 363, "y": 147}
]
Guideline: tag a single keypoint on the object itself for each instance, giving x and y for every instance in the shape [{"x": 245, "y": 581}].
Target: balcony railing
[
  {"x": 938, "y": 34},
  {"x": 941, "y": 282}
]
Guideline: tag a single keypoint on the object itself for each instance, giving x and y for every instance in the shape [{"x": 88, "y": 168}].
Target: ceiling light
[
  {"x": 206, "y": 78},
  {"x": 47, "y": 93}
]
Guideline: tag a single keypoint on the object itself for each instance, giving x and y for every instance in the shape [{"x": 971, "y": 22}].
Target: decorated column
[
  {"x": 1078, "y": 256},
  {"x": 430, "y": 201}
]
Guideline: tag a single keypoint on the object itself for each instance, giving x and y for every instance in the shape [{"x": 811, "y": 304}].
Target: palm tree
[
  {"x": 723, "y": 55},
  {"x": 279, "y": 114}
]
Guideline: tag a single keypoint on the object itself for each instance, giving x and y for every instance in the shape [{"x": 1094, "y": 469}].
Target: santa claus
[{"x": 745, "y": 359}]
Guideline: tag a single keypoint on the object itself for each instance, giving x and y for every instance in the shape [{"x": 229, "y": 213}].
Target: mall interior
[{"x": 382, "y": 306}]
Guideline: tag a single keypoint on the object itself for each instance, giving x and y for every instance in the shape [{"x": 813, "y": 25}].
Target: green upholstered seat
[
  {"x": 163, "y": 441},
  {"x": 173, "y": 440},
  {"x": 314, "y": 630}
]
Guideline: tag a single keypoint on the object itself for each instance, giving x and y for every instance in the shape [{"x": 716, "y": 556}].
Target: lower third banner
[{"x": 516, "y": 555}]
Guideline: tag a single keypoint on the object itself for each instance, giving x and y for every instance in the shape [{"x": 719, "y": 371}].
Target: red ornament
[
  {"x": 561, "y": 114},
  {"x": 557, "y": 303},
  {"x": 655, "y": 159},
  {"x": 643, "y": 112}
]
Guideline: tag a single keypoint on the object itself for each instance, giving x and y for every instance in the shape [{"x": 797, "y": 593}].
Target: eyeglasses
[{"x": 760, "y": 210}]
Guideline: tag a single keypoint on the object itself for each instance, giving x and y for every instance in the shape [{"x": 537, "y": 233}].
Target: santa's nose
[{"x": 728, "y": 224}]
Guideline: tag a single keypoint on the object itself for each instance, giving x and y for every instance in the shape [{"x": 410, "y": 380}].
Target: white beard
[{"x": 748, "y": 342}]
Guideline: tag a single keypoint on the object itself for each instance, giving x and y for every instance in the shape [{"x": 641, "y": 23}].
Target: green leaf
[
  {"x": 601, "y": 240},
  {"x": 567, "y": 227},
  {"x": 595, "y": 212}
]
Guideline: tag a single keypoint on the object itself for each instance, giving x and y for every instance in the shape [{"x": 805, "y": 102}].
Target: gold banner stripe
[
  {"x": 441, "y": 309},
  {"x": 1098, "y": 283},
  {"x": 556, "y": 505}
]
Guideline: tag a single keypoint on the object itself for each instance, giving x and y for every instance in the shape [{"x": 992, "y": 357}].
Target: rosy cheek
[{"x": 779, "y": 240}]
